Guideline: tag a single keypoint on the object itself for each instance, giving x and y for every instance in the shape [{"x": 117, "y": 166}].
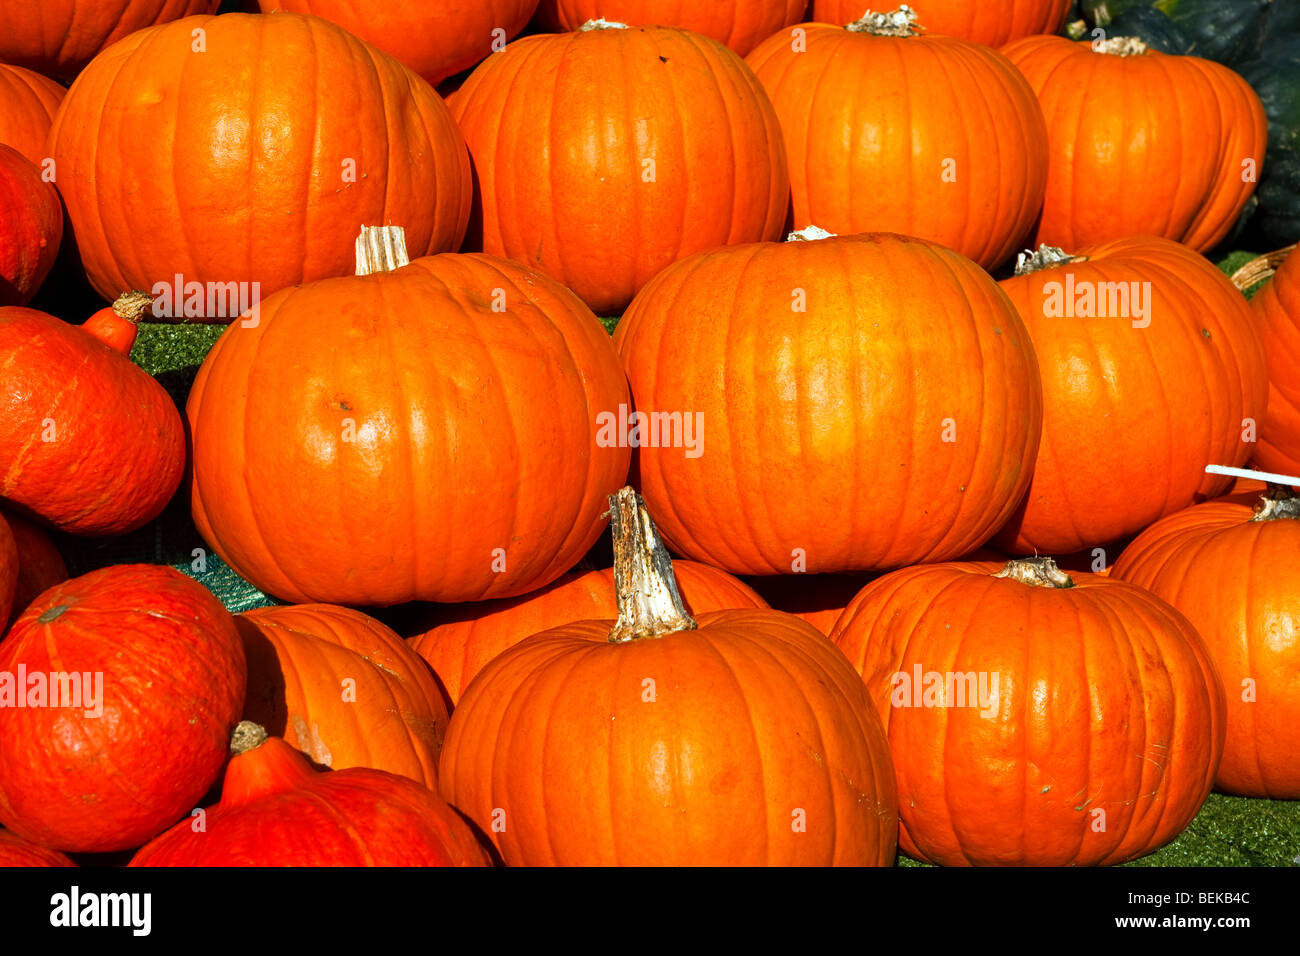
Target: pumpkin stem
[
  {"x": 1277, "y": 502},
  {"x": 809, "y": 234},
  {"x": 600, "y": 23},
  {"x": 896, "y": 23},
  {"x": 1261, "y": 268},
  {"x": 381, "y": 249},
  {"x": 1047, "y": 257},
  {"x": 1119, "y": 46},
  {"x": 649, "y": 604},
  {"x": 247, "y": 736},
  {"x": 1036, "y": 572},
  {"x": 117, "y": 325}
]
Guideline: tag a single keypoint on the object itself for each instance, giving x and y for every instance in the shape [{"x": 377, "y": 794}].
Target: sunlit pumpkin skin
[
  {"x": 31, "y": 228},
  {"x": 173, "y": 687},
  {"x": 435, "y": 39},
  {"x": 892, "y": 421},
  {"x": 410, "y": 507},
  {"x": 1133, "y": 408},
  {"x": 740, "y": 24},
  {"x": 680, "y": 152},
  {"x": 9, "y": 563},
  {"x": 59, "y": 37},
  {"x": 15, "y": 851},
  {"x": 745, "y": 741},
  {"x": 819, "y": 599},
  {"x": 277, "y": 810},
  {"x": 343, "y": 689},
  {"x": 978, "y": 21},
  {"x": 1277, "y": 310},
  {"x": 1098, "y": 744},
  {"x": 89, "y": 442},
  {"x": 466, "y": 637},
  {"x": 363, "y": 141},
  {"x": 881, "y": 137},
  {"x": 40, "y": 565},
  {"x": 28, "y": 102},
  {"x": 1238, "y": 582},
  {"x": 1141, "y": 144}
]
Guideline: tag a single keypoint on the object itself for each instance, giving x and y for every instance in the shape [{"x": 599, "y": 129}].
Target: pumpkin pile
[{"x": 650, "y": 432}]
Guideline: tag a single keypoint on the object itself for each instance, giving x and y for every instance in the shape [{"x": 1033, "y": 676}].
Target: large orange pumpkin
[
  {"x": 261, "y": 166},
  {"x": 59, "y": 37},
  {"x": 1232, "y": 569},
  {"x": 342, "y": 688},
  {"x": 428, "y": 433},
  {"x": 1277, "y": 307},
  {"x": 435, "y": 38},
  {"x": 31, "y": 228},
  {"x": 740, "y": 24},
  {"x": 978, "y": 21},
  {"x": 889, "y": 131},
  {"x": 466, "y": 637},
  {"x": 860, "y": 403},
  {"x": 28, "y": 102},
  {"x": 655, "y": 143},
  {"x": 1035, "y": 718},
  {"x": 1141, "y": 142},
  {"x": 1152, "y": 369},
  {"x": 743, "y": 739}
]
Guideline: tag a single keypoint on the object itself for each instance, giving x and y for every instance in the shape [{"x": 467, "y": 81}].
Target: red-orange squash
[
  {"x": 90, "y": 442},
  {"x": 40, "y": 565},
  {"x": 1035, "y": 718},
  {"x": 1141, "y": 142},
  {"x": 342, "y": 688},
  {"x": 466, "y": 637},
  {"x": 132, "y": 679},
  {"x": 978, "y": 21},
  {"x": 1230, "y": 566},
  {"x": 1277, "y": 310},
  {"x": 892, "y": 131},
  {"x": 435, "y": 38},
  {"x": 276, "y": 810},
  {"x": 59, "y": 37},
  {"x": 31, "y": 228},
  {"x": 259, "y": 168},
  {"x": 15, "y": 851},
  {"x": 9, "y": 559},
  {"x": 429, "y": 433},
  {"x": 655, "y": 143},
  {"x": 740, "y": 24},
  {"x": 28, "y": 102},
  {"x": 745, "y": 741},
  {"x": 859, "y": 403},
  {"x": 1152, "y": 369}
]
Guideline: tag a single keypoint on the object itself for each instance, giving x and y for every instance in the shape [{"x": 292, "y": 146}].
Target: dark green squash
[
  {"x": 1275, "y": 75},
  {"x": 1152, "y": 27},
  {"x": 1228, "y": 31}
]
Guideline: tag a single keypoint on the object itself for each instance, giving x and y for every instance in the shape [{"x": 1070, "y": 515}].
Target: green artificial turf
[{"x": 1229, "y": 831}]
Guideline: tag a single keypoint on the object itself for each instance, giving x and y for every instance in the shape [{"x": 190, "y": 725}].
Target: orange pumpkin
[
  {"x": 1141, "y": 142},
  {"x": 890, "y": 131},
  {"x": 28, "y": 102},
  {"x": 426, "y": 433},
  {"x": 254, "y": 179},
  {"x": 859, "y": 403},
  {"x": 31, "y": 228},
  {"x": 59, "y": 37},
  {"x": 1277, "y": 310},
  {"x": 1151, "y": 369},
  {"x": 1231, "y": 568},
  {"x": 742, "y": 739},
  {"x": 466, "y": 637},
  {"x": 342, "y": 688},
  {"x": 15, "y": 851},
  {"x": 435, "y": 39},
  {"x": 1035, "y": 718},
  {"x": 678, "y": 151},
  {"x": 978, "y": 21},
  {"x": 740, "y": 24}
]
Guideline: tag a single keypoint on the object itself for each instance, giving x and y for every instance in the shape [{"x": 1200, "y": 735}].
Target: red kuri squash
[
  {"x": 120, "y": 689},
  {"x": 15, "y": 851},
  {"x": 746, "y": 740},
  {"x": 1035, "y": 718},
  {"x": 31, "y": 228},
  {"x": 9, "y": 563},
  {"x": 40, "y": 565},
  {"x": 657, "y": 143},
  {"x": 276, "y": 810},
  {"x": 740, "y": 24}
]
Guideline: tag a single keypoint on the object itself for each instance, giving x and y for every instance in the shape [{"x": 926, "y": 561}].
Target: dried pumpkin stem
[
  {"x": 1277, "y": 502},
  {"x": 381, "y": 249},
  {"x": 600, "y": 23},
  {"x": 1261, "y": 268},
  {"x": 1046, "y": 257},
  {"x": 1036, "y": 572},
  {"x": 809, "y": 234},
  {"x": 1120, "y": 46},
  {"x": 247, "y": 736},
  {"x": 132, "y": 306},
  {"x": 649, "y": 604},
  {"x": 895, "y": 23}
]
